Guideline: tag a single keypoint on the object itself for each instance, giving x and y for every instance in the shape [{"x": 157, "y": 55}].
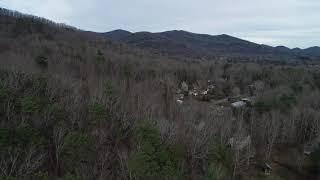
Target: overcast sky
[{"x": 293, "y": 23}]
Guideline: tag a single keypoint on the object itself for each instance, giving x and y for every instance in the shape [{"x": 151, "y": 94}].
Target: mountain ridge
[
  {"x": 179, "y": 42},
  {"x": 176, "y": 43},
  {"x": 109, "y": 33}
]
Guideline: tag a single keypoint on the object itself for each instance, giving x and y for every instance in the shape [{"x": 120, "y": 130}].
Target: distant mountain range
[{"x": 182, "y": 43}]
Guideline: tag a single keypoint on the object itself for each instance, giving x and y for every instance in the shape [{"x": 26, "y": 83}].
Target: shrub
[
  {"x": 26, "y": 134},
  {"x": 316, "y": 78},
  {"x": 268, "y": 177},
  {"x": 100, "y": 57},
  {"x": 315, "y": 158},
  {"x": 26, "y": 146},
  {"x": 153, "y": 159},
  {"x": 283, "y": 102},
  {"x": 41, "y": 175},
  {"x": 20, "y": 137},
  {"x": 220, "y": 156},
  {"x": 30, "y": 104},
  {"x": 45, "y": 176},
  {"x": 39, "y": 84},
  {"x": 98, "y": 111},
  {"x": 57, "y": 111},
  {"x": 78, "y": 150},
  {"x": 108, "y": 88},
  {"x": 286, "y": 101},
  {"x": 4, "y": 94},
  {"x": 214, "y": 173},
  {"x": 8, "y": 178},
  {"x": 74, "y": 177},
  {"x": 41, "y": 61},
  {"x": 220, "y": 161},
  {"x": 296, "y": 87},
  {"x": 263, "y": 106},
  {"x": 5, "y": 136}
]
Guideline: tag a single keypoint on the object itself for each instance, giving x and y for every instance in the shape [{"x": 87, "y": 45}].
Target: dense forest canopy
[{"x": 77, "y": 105}]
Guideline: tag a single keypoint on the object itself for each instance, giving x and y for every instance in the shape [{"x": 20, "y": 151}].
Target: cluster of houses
[
  {"x": 196, "y": 93},
  {"x": 208, "y": 93}
]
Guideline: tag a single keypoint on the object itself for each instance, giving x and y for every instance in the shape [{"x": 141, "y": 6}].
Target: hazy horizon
[{"x": 290, "y": 23}]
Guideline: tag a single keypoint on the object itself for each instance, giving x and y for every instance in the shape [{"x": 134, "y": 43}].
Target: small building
[
  {"x": 194, "y": 93},
  {"x": 238, "y": 104},
  {"x": 180, "y": 102},
  {"x": 180, "y": 96},
  {"x": 249, "y": 101},
  {"x": 204, "y": 92}
]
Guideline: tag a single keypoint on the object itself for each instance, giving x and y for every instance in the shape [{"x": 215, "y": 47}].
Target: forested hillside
[
  {"x": 76, "y": 105},
  {"x": 204, "y": 46}
]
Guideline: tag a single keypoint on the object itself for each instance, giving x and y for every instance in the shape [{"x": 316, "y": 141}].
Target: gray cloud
[{"x": 294, "y": 23}]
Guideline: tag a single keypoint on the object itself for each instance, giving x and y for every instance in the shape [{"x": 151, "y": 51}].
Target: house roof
[{"x": 238, "y": 104}]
